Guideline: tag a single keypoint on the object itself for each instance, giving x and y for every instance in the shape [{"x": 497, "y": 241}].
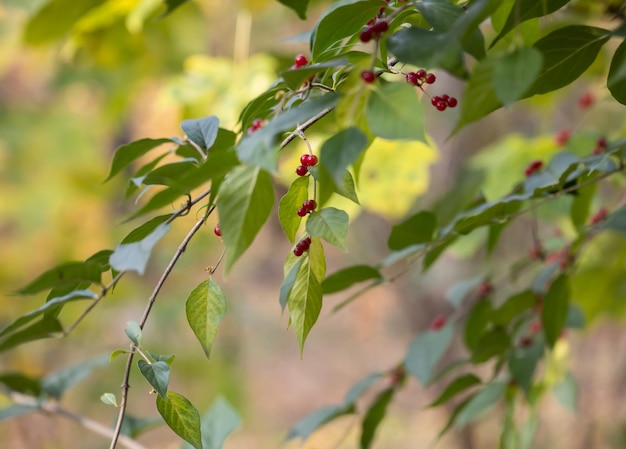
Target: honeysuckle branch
[
  {"x": 52, "y": 407},
  {"x": 151, "y": 300},
  {"x": 303, "y": 127}
]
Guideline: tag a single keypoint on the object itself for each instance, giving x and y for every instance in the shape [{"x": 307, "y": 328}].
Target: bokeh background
[{"x": 120, "y": 73}]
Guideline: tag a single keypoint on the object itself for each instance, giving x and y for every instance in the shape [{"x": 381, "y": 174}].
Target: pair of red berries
[
  {"x": 307, "y": 206},
  {"x": 302, "y": 246},
  {"x": 306, "y": 161},
  {"x": 374, "y": 30},
  {"x": 420, "y": 77},
  {"x": 443, "y": 102}
]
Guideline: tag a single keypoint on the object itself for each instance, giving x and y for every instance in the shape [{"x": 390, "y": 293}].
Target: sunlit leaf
[
  {"x": 290, "y": 203},
  {"x": 524, "y": 10},
  {"x": 181, "y": 416},
  {"x": 109, "y": 399},
  {"x": 329, "y": 223},
  {"x": 206, "y": 307},
  {"x": 55, "y": 19}
]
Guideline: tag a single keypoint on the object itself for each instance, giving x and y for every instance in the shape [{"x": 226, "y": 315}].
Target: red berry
[
  {"x": 381, "y": 9},
  {"x": 445, "y": 97},
  {"x": 301, "y": 170},
  {"x": 303, "y": 159},
  {"x": 366, "y": 35},
  {"x": 435, "y": 100},
  {"x": 412, "y": 78},
  {"x": 533, "y": 167},
  {"x": 312, "y": 160},
  {"x": 484, "y": 289},
  {"x": 452, "y": 102},
  {"x": 430, "y": 78},
  {"x": 368, "y": 76},
  {"x": 441, "y": 106},
  {"x": 301, "y": 61},
  {"x": 297, "y": 251},
  {"x": 525, "y": 342},
  {"x": 562, "y": 137},
  {"x": 302, "y": 211},
  {"x": 599, "y": 216},
  {"x": 586, "y": 100},
  {"x": 380, "y": 27},
  {"x": 309, "y": 205},
  {"x": 421, "y": 74},
  {"x": 438, "y": 323},
  {"x": 217, "y": 230},
  {"x": 601, "y": 142}
]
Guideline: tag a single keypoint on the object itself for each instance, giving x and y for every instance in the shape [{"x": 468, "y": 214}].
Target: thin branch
[
  {"x": 306, "y": 125},
  {"x": 53, "y": 407},
  {"x": 151, "y": 300}
]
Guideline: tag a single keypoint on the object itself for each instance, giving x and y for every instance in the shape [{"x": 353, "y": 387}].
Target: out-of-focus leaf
[
  {"x": 109, "y": 399},
  {"x": 418, "y": 228},
  {"x": 299, "y": 6},
  {"x": 16, "y": 410},
  {"x": 455, "y": 387},
  {"x": 55, "y": 384},
  {"x": 555, "y": 306},
  {"x": 130, "y": 152},
  {"x": 134, "y": 256},
  {"x": 395, "y": 112},
  {"x": 566, "y": 392},
  {"x": 480, "y": 403},
  {"x": 21, "y": 383},
  {"x": 347, "y": 277},
  {"x": 47, "y": 327},
  {"x": 217, "y": 424},
  {"x": 55, "y": 19},
  {"x": 62, "y": 275},
  {"x": 426, "y": 350},
  {"x": 374, "y": 416}
]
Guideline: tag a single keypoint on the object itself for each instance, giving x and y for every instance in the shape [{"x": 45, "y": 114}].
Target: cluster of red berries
[
  {"x": 438, "y": 323},
  {"x": 420, "y": 77},
  {"x": 302, "y": 246},
  {"x": 601, "y": 145},
  {"x": 257, "y": 123},
  {"x": 533, "y": 168},
  {"x": 443, "y": 102},
  {"x": 217, "y": 230},
  {"x": 374, "y": 29},
  {"x": 307, "y": 206},
  {"x": 306, "y": 161},
  {"x": 299, "y": 61}
]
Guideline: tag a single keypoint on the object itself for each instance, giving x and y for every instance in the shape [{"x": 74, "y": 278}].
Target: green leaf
[
  {"x": 134, "y": 256},
  {"x": 133, "y": 426},
  {"x": 206, "y": 308},
  {"x": 202, "y": 131},
  {"x": 425, "y": 352},
  {"x": 16, "y": 410},
  {"x": 49, "y": 308},
  {"x": 117, "y": 353},
  {"x": 492, "y": 343},
  {"x": 299, "y": 6},
  {"x": 341, "y": 151},
  {"x": 133, "y": 332},
  {"x": 290, "y": 203},
  {"x": 480, "y": 403},
  {"x": 305, "y": 297},
  {"x": 169, "y": 174},
  {"x": 244, "y": 205},
  {"x": 147, "y": 228},
  {"x": 479, "y": 97},
  {"x": 172, "y": 5},
  {"x": 68, "y": 273},
  {"x": 130, "y": 152},
  {"x": 616, "y": 82},
  {"x": 288, "y": 283},
  {"x": 55, "y": 19},
  {"x": 455, "y": 387},
  {"x": 347, "y": 277},
  {"x": 457, "y": 293},
  {"x": 316, "y": 419},
  {"x": 477, "y": 322},
  {"x": 342, "y": 22},
  {"x": 567, "y": 53},
  {"x": 374, "y": 416},
  {"x": 524, "y": 10},
  {"x": 329, "y": 223},
  {"x": 358, "y": 389},
  {"x": 157, "y": 374},
  {"x": 295, "y": 78},
  {"x": 616, "y": 220},
  {"x": 566, "y": 392},
  {"x": 109, "y": 399},
  {"x": 581, "y": 205},
  {"x": 181, "y": 416},
  {"x": 513, "y": 307},
  {"x": 515, "y": 73},
  {"x": 418, "y": 228},
  {"x": 217, "y": 424},
  {"x": 55, "y": 384},
  {"x": 47, "y": 327},
  {"x": 523, "y": 361},
  {"x": 555, "y": 306},
  {"x": 395, "y": 112},
  {"x": 21, "y": 383}
]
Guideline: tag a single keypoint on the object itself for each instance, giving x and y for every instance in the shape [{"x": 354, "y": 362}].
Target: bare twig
[
  {"x": 306, "y": 125},
  {"x": 53, "y": 407}
]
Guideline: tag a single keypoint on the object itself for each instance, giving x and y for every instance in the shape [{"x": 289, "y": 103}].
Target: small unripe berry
[
  {"x": 217, "y": 230},
  {"x": 368, "y": 76},
  {"x": 301, "y": 170}
]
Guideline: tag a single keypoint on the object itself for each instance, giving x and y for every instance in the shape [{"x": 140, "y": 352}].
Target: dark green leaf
[
  {"x": 167, "y": 358},
  {"x": 523, "y": 361},
  {"x": 513, "y": 307},
  {"x": 244, "y": 205},
  {"x": 137, "y": 180},
  {"x": 290, "y": 203},
  {"x": 455, "y": 387},
  {"x": 206, "y": 308},
  {"x": 555, "y": 306},
  {"x": 55, "y": 384},
  {"x": 616, "y": 81},
  {"x": 68, "y": 273},
  {"x": 341, "y": 151},
  {"x": 477, "y": 322},
  {"x": 480, "y": 403},
  {"x": 479, "y": 97},
  {"x": 169, "y": 174},
  {"x": 295, "y": 78},
  {"x": 374, "y": 416},
  {"x": 157, "y": 374},
  {"x": 21, "y": 383},
  {"x": 566, "y": 392},
  {"x": 202, "y": 131},
  {"x": 491, "y": 344},
  {"x": 130, "y": 152},
  {"x": 581, "y": 205},
  {"x": 395, "y": 112},
  {"x": 418, "y": 228},
  {"x": 217, "y": 424},
  {"x": 181, "y": 416},
  {"x": 347, "y": 277},
  {"x": 567, "y": 53},
  {"x": 426, "y": 350},
  {"x": 299, "y": 6},
  {"x": 134, "y": 333},
  {"x": 329, "y": 223},
  {"x": 55, "y": 19},
  {"x": 172, "y": 5},
  {"x": 515, "y": 73},
  {"x": 47, "y": 327},
  {"x": 134, "y": 256},
  {"x": 314, "y": 420}
]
